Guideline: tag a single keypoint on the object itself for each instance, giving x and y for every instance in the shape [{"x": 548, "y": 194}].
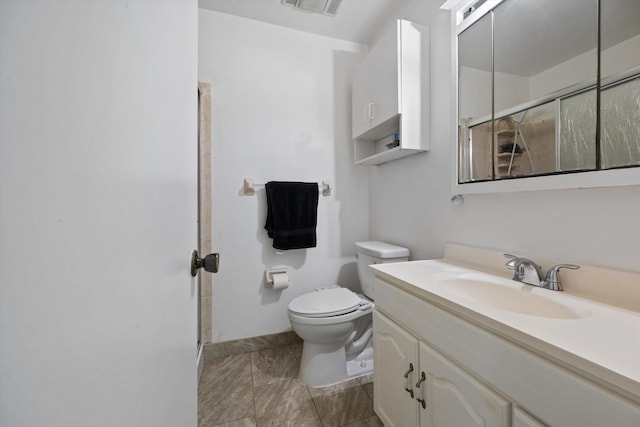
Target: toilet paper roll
[{"x": 280, "y": 281}]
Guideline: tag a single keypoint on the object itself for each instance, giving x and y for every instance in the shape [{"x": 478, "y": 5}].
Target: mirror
[
  {"x": 620, "y": 92},
  {"x": 474, "y": 89},
  {"x": 528, "y": 89},
  {"x": 542, "y": 53}
]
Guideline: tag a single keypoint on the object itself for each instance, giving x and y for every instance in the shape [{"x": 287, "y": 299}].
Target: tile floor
[{"x": 261, "y": 388}]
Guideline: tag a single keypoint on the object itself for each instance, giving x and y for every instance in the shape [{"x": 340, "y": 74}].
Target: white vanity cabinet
[
  {"x": 417, "y": 386},
  {"x": 472, "y": 376},
  {"x": 522, "y": 419},
  {"x": 390, "y": 96}
]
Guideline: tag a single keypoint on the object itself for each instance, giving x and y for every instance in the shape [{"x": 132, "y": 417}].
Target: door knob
[{"x": 210, "y": 263}]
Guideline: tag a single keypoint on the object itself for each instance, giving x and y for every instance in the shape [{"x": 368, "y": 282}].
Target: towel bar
[{"x": 250, "y": 187}]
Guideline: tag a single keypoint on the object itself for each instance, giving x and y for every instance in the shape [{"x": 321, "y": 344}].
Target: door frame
[{"x": 205, "y": 280}]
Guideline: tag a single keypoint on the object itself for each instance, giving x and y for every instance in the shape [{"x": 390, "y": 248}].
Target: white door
[{"x": 98, "y": 194}]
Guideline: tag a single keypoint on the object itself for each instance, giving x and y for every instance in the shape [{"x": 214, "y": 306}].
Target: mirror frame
[{"x": 563, "y": 181}]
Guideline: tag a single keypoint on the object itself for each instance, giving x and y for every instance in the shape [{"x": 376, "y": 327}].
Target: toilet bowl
[{"x": 335, "y": 324}]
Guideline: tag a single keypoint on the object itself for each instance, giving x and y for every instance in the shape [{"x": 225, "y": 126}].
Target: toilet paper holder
[{"x": 269, "y": 272}]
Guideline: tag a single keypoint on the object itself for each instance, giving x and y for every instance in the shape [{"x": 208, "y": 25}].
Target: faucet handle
[
  {"x": 552, "y": 281},
  {"x": 511, "y": 264}
]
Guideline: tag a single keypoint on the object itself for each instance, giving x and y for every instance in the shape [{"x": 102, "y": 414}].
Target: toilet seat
[{"x": 326, "y": 303}]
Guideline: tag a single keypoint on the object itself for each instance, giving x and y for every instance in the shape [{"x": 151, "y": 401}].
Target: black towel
[{"x": 292, "y": 214}]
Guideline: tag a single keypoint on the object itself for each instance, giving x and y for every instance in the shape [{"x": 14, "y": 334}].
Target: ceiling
[{"x": 356, "y": 20}]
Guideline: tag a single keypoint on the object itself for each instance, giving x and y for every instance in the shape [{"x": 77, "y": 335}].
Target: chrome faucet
[{"x": 527, "y": 271}]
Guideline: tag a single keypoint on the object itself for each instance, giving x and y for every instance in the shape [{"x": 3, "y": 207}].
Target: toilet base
[
  {"x": 361, "y": 364},
  {"x": 323, "y": 364}
]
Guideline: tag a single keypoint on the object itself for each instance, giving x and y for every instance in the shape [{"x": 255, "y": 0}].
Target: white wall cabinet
[
  {"x": 417, "y": 386},
  {"x": 390, "y": 96},
  {"x": 361, "y": 98}
]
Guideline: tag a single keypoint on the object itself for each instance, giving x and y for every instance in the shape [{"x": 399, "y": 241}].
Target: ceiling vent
[{"x": 325, "y": 7}]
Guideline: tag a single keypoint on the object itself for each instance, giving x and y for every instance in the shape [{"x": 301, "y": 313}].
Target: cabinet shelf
[
  {"x": 506, "y": 133},
  {"x": 386, "y": 156},
  {"x": 502, "y": 156}
]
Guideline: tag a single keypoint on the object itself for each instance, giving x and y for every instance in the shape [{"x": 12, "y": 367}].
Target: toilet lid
[{"x": 324, "y": 303}]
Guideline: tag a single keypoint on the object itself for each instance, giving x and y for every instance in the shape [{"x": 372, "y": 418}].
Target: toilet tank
[{"x": 372, "y": 252}]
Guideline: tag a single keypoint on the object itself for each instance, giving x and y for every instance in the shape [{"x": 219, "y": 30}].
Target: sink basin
[{"x": 516, "y": 297}]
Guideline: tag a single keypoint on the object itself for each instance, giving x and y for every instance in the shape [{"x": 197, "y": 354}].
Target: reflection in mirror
[
  {"x": 577, "y": 132},
  {"x": 474, "y": 102},
  {"x": 476, "y": 155},
  {"x": 620, "y": 118},
  {"x": 544, "y": 69},
  {"x": 620, "y": 92},
  {"x": 526, "y": 142},
  {"x": 542, "y": 53},
  {"x": 541, "y": 47}
]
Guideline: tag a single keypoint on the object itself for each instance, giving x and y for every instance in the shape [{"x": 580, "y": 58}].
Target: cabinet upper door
[
  {"x": 455, "y": 398},
  {"x": 395, "y": 352},
  {"x": 361, "y": 99},
  {"x": 384, "y": 65}
]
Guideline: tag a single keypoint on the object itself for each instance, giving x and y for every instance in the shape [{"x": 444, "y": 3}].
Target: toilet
[{"x": 336, "y": 323}]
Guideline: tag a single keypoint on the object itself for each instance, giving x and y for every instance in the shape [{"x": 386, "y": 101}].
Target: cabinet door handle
[
  {"x": 406, "y": 380},
  {"x": 372, "y": 110},
  {"x": 366, "y": 113},
  {"x": 419, "y": 398}
]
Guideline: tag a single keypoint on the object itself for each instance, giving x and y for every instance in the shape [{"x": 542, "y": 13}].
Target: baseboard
[{"x": 222, "y": 349}]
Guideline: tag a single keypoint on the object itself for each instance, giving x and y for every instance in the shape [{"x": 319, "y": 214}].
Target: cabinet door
[
  {"x": 394, "y": 350},
  {"x": 523, "y": 419},
  {"x": 384, "y": 65},
  {"x": 455, "y": 398},
  {"x": 361, "y": 99}
]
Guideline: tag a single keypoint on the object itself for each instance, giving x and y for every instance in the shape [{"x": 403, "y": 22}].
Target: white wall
[
  {"x": 411, "y": 203},
  {"x": 281, "y": 111}
]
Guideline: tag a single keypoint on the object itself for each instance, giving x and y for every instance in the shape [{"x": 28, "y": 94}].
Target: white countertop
[{"x": 602, "y": 343}]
